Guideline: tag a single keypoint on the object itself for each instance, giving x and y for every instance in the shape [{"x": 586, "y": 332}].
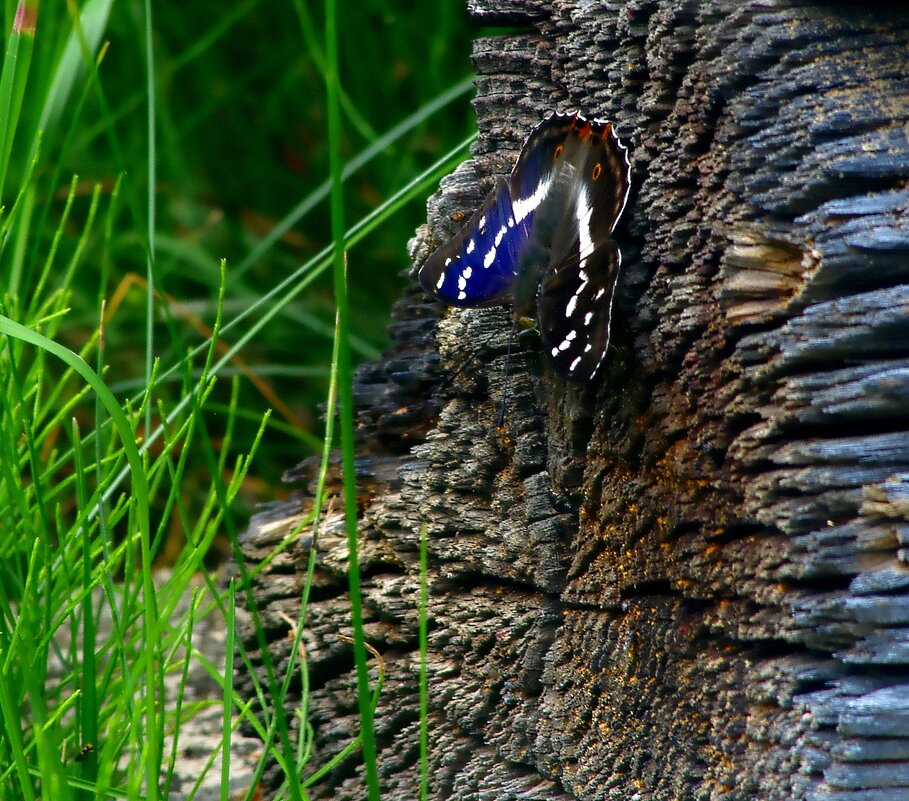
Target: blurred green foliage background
[{"x": 239, "y": 141}]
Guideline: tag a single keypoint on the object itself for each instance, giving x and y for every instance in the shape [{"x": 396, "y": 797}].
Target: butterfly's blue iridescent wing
[{"x": 477, "y": 266}]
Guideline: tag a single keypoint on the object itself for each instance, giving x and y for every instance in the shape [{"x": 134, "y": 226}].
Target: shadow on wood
[{"x": 690, "y": 580}]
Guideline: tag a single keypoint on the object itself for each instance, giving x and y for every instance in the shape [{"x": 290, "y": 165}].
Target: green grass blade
[
  {"x": 13, "y": 78},
  {"x": 345, "y": 396},
  {"x": 227, "y": 728},
  {"x": 88, "y": 702},
  {"x": 150, "y": 244},
  {"x": 12, "y": 721},
  {"x": 89, "y": 29}
]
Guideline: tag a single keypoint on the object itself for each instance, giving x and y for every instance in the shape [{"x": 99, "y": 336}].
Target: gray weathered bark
[{"x": 691, "y": 580}]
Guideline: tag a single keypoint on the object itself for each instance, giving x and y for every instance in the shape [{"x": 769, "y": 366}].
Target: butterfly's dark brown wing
[
  {"x": 587, "y": 175},
  {"x": 574, "y": 312}
]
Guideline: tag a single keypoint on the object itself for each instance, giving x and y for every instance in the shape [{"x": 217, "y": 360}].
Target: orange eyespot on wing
[
  {"x": 558, "y": 151},
  {"x": 597, "y": 171}
]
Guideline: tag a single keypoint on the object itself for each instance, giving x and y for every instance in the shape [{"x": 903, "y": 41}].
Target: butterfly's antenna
[{"x": 501, "y": 421}]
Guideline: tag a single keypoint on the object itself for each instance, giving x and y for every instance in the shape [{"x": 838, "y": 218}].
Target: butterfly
[{"x": 542, "y": 241}]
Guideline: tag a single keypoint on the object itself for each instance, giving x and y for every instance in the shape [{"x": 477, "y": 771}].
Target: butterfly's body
[{"x": 542, "y": 240}]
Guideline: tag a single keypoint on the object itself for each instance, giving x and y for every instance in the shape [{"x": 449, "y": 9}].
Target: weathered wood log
[{"x": 690, "y": 580}]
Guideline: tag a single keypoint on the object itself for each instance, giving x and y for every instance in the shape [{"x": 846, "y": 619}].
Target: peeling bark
[{"x": 690, "y": 580}]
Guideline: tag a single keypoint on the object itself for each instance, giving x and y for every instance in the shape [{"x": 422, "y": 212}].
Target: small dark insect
[{"x": 84, "y": 752}]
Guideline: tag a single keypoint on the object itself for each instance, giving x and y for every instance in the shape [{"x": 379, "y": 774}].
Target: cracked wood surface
[{"x": 690, "y": 580}]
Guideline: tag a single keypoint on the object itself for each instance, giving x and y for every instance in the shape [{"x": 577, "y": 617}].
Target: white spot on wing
[
  {"x": 489, "y": 258},
  {"x": 470, "y": 247},
  {"x": 587, "y": 318},
  {"x": 572, "y": 303},
  {"x": 525, "y": 205},
  {"x": 574, "y": 365},
  {"x": 599, "y": 294},
  {"x": 464, "y": 276},
  {"x": 583, "y": 213},
  {"x": 440, "y": 281}
]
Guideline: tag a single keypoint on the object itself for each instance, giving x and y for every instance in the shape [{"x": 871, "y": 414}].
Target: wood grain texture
[{"x": 689, "y": 581}]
